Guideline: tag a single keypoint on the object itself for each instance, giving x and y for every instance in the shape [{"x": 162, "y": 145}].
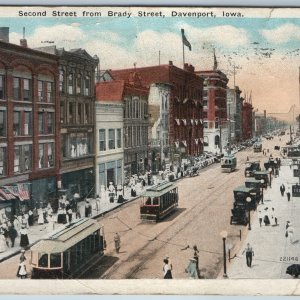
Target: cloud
[
  {"x": 75, "y": 24},
  {"x": 281, "y": 34},
  {"x": 62, "y": 35}
]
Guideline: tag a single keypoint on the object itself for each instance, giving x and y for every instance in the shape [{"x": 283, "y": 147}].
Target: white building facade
[{"x": 109, "y": 145}]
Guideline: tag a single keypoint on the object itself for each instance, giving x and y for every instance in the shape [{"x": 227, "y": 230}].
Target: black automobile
[{"x": 252, "y": 167}]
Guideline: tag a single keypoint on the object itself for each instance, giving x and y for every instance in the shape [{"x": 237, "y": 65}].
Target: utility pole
[
  {"x": 220, "y": 144},
  {"x": 229, "y": 137}
]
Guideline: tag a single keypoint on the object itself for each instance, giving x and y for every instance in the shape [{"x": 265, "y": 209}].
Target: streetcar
[
  {"x": 291, "y": 151},
  {"x": 159, "y": 201},
  {"x": 70, "y": 252},
  {"x": 257, "y": 147},
  {"x": 228, "y": 163}
]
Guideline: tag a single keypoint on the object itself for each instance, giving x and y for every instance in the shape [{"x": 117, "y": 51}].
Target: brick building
[
  {"x": 214, "y": 109},
  {"x": 247, "y": 120},
  {"x": 185, "y": 105},
  {"x": 29, "y": 124}
]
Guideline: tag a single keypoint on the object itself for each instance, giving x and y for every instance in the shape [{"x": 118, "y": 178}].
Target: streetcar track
[{"x": 210, "y": 195}]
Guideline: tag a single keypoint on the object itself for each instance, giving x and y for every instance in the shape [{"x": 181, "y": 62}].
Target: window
[
  {"x": 16, "y": 88},
  {"x": 62, "y": 112},
  {"x": 87, "y": 113},
  {"x": 111, "y": 139},
  {"x": 79, "y": 144},
  {"x": 62, "y": 81},
  {"x": 87, "y": 82},
  {"x": 50, "y": 92},
  {"x": 102, "y": 176},
  {"x": 41, "y": 117},
  {"x": 27, "y": 123},
  {"x": 17, "y": 159},
  {"x": 3, "y": 161},
  {"x": 205, "y": 124},
  {"x": 79, "y": 113},
  {"x": 119, "y": 138},
  {"x": 42, "y": 156},
  {"x": 55, "y": 260},
  {"x": 78, "y": 84},
  {"x": 50, "y": 123},
  {"x": 102, "y": 140},
  {"x": 2, "y": 84},
  {"x": 17, "y": 125},
  {"x": 27, "y": 90},
  {"x": 2, "y": 123},
  {"x": 50, "y": 155},
  {"x": 41, "y": 91},
  {"x": 71, "y": 112},
  {"x": 26, "y": 158},
  {"x": 129, "y": 136},
  {"x": 138, "y": 135},
  {"x": 70, "y": 84}
]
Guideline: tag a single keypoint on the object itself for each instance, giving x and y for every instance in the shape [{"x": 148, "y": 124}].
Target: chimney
[
  {"x": 170, "y": 63},
  {"x": 23, "y": 41},
  {"x": 192, "y": 69},
  {"x": 186, "y": 67},
  {"x": 4, "y": 34}
]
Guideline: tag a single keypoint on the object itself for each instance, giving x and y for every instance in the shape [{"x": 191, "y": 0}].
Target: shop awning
[{"x": 11, "y": 192}]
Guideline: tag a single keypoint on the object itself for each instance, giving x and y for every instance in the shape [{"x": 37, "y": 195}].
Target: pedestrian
[
  {"x": 97, "y": 203},
  {"x": 266, "y": 217},
  {"x": 41, "y": 216},
  {"x": 167, "y": 270},
  {"x": 196, "y": 257},
  {"x": 288, "y": 196},
  {"x": 170, "y": 263},
  {"x": 5, "y": 233},
  {"x": 290, "y": 232},
  {"x": 273, "y": 218},
  {"x": 260, "y": 217},
  {"x": 282, "y": 189},
  {"x": 247, "y": 158},
  {"x": 30, "y": 217},
  {"x": 22, "y": 256},
  {"x": 249, "y": 254},
  {"x": 3, "y": 245},
  {"x": 192, "y": 269},
  {"x": 70, "y": 214},
  {"x": 22, "y": 273},
  {"x": 117, "y": 241},
  {"x": 12, "y": 233},
  {"x": 24, "y": 241}
]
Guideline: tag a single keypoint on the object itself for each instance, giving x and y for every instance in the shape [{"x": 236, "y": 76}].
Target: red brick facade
[
  {"x": 30, "y": 121},
  {"x": 185, "y": 109},
  {"x": 247, "y": 120}
]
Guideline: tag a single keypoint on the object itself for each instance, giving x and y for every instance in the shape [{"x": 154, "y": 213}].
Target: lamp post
[
  {"x": 262, "y": 190},
  {"x": 224, "y": 236},
  {"x": 248, "y": 199},
  {"x": 270, "y": 172}
]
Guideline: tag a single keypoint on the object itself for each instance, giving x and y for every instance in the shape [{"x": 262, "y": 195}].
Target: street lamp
[
  {"x": 270, "y": 171},
  {"x": 224, "y": 236},
  {"x": 248, "y": 199},
  {"x": 262, "y": 190}
]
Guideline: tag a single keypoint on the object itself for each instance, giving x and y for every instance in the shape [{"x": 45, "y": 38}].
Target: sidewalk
[{"x": 273, "y": 252}]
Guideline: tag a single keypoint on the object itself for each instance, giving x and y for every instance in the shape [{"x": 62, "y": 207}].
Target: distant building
[
  {"x": 109, "y": 134},
  {"x": 214, "y": 109},
  {"x": 247, "y": 120},
  {"x": 29, "y": 126},
  {"x": 184, "y": 109}
]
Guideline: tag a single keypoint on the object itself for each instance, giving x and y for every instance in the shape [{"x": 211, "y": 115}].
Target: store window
[
  {"x": 17, "y": 155},
  {"x": 119, "y": 138},
  {"x": 27, "y": 123},
  {"x": 17, "y": 124},
  {"x": 26, "y": 159},
  {"x": 111, "y": 139},
  {"x": 50, "y": 157},
  {"x": 2, "y": 123},
  {"x": 3, "y": 160},
  {"x": 102, "y": 140},
  {"x": 42, "y": 156},
  {"x": 80, "y": 144},
  {"x": 2, "y": 85},
  {"x": 41, "y": 118}
]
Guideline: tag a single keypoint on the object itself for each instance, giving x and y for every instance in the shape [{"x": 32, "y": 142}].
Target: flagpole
[{"x": 183, "y": 53}]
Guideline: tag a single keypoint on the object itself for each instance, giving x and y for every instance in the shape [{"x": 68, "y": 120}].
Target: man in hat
[{"x": 249, "y": 253}]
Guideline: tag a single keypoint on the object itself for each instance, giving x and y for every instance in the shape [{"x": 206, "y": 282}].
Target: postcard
[{"x": 139, "y": 144}]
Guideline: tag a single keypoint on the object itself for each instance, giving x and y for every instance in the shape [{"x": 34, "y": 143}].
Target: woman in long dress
[
  {"x": 24, "y": 242},
  {"x": 41, "y": 217},
  {"x": 3, "y": 245},
  {"x": 22, "y": 270}
]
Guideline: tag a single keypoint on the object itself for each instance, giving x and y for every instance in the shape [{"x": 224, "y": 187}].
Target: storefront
[
  {"x": 43, "y": 191},
  {"x": 111, "y": 171},
  {"x": 81, "y": 182}
]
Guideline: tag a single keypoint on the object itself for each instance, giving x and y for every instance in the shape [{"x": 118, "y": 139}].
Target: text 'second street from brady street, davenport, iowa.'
[{"x": 139, "y": 144}]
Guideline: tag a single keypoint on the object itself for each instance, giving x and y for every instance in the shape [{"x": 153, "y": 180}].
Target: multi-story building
[
  {"x": 185, "y": 130},
  {"x": 135, "y": 116},
  {"x": 77, "y": 120},
  {"x": 234, "y": 110},
  {"x": 247, "y": 120},
  {"x": 29, "y": 124},
  {"x": 214, "y": 109},
  {"x": 109, "y": 134}
]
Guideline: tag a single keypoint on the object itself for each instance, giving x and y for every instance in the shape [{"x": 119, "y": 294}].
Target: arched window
[{"x": 78, "y": 83}]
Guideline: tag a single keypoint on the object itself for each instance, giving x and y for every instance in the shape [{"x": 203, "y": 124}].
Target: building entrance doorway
[{"x": 110, "y": 176}]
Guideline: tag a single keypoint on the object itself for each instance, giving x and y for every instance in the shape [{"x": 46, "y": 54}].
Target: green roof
[
  {"x": 68, "y": 237},
  {"x": 243, "y": 189},
  {"x": 159, "y": 189},
  {"x": 261, "y": 172}
]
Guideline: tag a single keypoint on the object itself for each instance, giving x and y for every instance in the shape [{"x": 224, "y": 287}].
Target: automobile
[
  {"x": 251, "y": 167},
  {"x": 262, "y": 175},
  {"x": 276, "y": 147}
]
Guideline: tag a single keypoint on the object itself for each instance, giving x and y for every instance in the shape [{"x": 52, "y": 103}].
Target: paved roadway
[{"x": 205, "y": 204}]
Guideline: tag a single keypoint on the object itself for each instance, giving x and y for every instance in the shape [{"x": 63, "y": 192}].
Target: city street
[{"x": 204, "y": 211}]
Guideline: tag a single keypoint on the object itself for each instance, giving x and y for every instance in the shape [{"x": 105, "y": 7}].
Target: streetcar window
[
  {"x": 43, "y": 260},
  {"x": 155, "y": 201},
  {"x": 55, "y": 260},
  {"x": 148, "y": 201}
]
